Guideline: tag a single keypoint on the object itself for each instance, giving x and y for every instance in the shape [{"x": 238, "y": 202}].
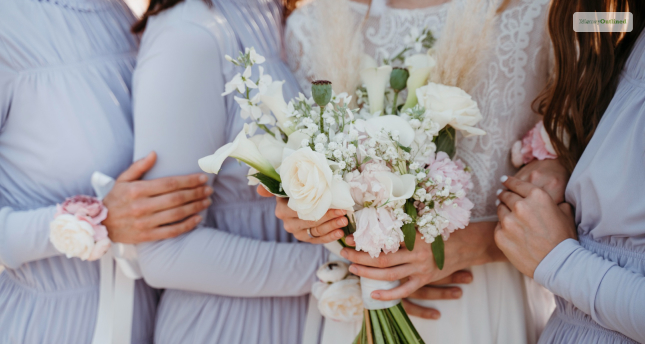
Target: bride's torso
[{"x": 516, "y": 71}]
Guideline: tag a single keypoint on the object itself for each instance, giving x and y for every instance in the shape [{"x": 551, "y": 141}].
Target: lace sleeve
[{"x": 297, "y": 45}]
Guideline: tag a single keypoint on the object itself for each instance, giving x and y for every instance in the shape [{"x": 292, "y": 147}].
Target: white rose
[
  {"x": 452, "y": 106},
  {"x": 71, "y": 236},
  {"x": 332, "y": 271},
  {"x": 342, "y": 301},
  {"x": 308, "y": 181}
]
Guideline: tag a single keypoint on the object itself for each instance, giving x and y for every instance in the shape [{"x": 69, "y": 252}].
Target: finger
[
  {"x": 460, "y": 277},
  {"x": 400, "y": 292},
  {"x": 382, "y": 261},
  {"x": 388, "y": 274},
  {"x": 437, "y": 293},
  {"x": 171, "y": 231},
  {"x": 329, "y": 226},
  {"x": 179, "y": 213},
  {"x": 419, "y": 311},
  {"x": 175, "y": 199},
  {"x": 138, "y": 168},
  {"x": 282, "y": 210},
  {"x": 518, "y": 186},
  {"x": 262, "y": 191},
  {"x": 332, "y": 236},
  {"x": 509, "y": 199},
  {"x": 170, "y": 184},
  {"x": 350, "y": 240},
  {"x": 502, "y": 213}
]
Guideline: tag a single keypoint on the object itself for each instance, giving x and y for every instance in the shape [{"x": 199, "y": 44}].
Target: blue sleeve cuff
[{"x": 554, "y": 260}]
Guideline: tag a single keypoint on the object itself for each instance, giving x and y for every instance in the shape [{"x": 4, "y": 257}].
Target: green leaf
[
  {"x": 407, "y": 149},
  {"x": 446, "y": 141},
  {"x": 274, "y": 186},
  {"x": 367, "y": 158},
  {"x": 438, "y": 251},
  {"x": 409, "y": 229},
  {"x": 351, "y": 225}
]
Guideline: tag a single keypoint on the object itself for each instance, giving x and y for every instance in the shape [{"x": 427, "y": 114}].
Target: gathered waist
[
  {"x": 569, "y": 314},
  {"x": 621, "y": 251}
]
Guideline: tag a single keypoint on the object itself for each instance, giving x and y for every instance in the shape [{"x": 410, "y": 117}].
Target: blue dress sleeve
[
  {"x": 179, "y": 113},
  {"x": 610, "y": 294}
]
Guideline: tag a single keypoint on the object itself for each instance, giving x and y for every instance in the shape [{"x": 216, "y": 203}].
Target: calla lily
[
  {"x": 270, "y": 148},
  {"x": 243, "y": 150},
  {"x": 274, "y": 100},
  {"x": 420, "y": 67},
  {"x": 399, "y": 187},
  {"x": 375, "y": 80},
  {"x": 391, "y": 123}
]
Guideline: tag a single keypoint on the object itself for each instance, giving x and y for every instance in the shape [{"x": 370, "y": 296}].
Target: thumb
[
  {"x": 138, "y": 168},
  {"x": 566, "y": 208},
  {"x": 262, "y": 191}
]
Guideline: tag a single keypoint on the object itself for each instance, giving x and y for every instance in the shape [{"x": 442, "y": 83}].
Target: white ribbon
[
  {"x": 369, "y": 285},
  {"x": 116, "y": 291}
]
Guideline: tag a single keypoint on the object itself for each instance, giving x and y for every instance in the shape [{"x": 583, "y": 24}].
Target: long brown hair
[
  {"x": 587, "y": 70},
  {"x": 158, "y": 6}
]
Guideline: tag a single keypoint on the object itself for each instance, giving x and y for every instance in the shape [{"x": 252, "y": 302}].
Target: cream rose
[
  {"x": 312, "y": 189},
  {"x": 452, "y": 106},
  {"x": 71, "y": 236},
  {"x": 342, "y": 301}
]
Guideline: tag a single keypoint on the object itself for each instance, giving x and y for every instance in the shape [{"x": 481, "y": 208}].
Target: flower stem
[
  {"x": 322, "y": 130},
  {"x": 264, "y": 127},
  {"x": 394, "y": 107},
  {"x": 368, "y": 327},
  {"x": 378, "y": 331}
]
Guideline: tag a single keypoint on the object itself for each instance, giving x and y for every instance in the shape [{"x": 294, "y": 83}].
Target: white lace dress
[{"x": 500, "y": 306}]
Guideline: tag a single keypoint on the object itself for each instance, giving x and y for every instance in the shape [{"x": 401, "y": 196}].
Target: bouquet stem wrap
[{"x": 369, "y": 285}]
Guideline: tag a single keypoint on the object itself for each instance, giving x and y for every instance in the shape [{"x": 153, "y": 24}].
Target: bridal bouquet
[{"x": 388, "y": 163}]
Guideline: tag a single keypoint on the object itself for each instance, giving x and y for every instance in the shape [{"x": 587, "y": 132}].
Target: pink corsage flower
[
  {"x": 77, "y": 230},
  {"x": 536, "y": 144}
]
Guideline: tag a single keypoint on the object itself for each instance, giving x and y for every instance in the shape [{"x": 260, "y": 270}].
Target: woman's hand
[
  {"x": 473, "y": 245},
  {"x": 141, "y": 211},
  {"x": 325, "y": 230},
  {"x": 549, "y": 175},
  {"x": 531, "y": 224},
  {"x": 437, "y": 291}
]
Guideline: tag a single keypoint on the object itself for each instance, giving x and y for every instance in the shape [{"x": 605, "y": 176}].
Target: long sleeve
[
  {"x": 179, "y": 113},
  {"x": 611, "y": 295},
  {"x": 24, "y": 236}
]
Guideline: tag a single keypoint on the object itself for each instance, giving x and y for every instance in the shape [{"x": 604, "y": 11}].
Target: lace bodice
[{"x": 516, "y": 71}]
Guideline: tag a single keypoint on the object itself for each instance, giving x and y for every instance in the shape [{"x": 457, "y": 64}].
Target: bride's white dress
[{"x": 500, "y": 306}]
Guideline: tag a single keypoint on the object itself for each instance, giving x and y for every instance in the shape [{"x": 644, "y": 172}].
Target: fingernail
[
  {"x": 434, "y": 315},
  {"x": 208, "y": 190},
  {"x": 339, "y": 212},
  {"x": 497, "y": 203},
  {"x": 503, "y": 179},
  {"x": 203, "y": 178},
  {"x": 343, "y": 253},
  {"x": 206, "y": 202},
  {"x": 341, "y": 222},
  {"x": 338, "y": 234},
  {"x": 198, "y": 219},
  {"x": 376, "y": 295},
  {"x": 467, "y": 279},
  {"x": 456, "y": 293},
  {"x": 499, "y": 191},
  {"x": 353, "y": 269}
]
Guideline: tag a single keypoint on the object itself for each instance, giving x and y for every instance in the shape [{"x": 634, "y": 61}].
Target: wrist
[{"x": 476, "y": 245}]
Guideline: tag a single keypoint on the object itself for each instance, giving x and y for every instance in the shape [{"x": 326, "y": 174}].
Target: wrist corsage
[
  {"x": 536, "y": 144},
  {"x": 76, "y": 229}
]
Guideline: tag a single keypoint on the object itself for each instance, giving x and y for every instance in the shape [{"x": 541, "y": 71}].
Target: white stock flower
[
  {"x": 375, "y": 80},
  {"x": 332, "y": 271},
  {"x": 342, "y": 301},
  {"x": 249, "y": 107},
  {"x": 447, "y": 105},
  {"x": 274, "y": 100},
  {"x": 71, "y": 236},
  {"x": 241, "y": 149},
  {"x": 254, "y": 56},
  {"x": 265, "y": 80},
  {"x": 308, "y": 181},
  {"x": 420, "y": 67}
]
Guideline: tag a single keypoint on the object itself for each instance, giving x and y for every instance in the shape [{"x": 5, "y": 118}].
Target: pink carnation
[
  {"x": 534, "y": 145},
  {"x": 88, "y": 209}
]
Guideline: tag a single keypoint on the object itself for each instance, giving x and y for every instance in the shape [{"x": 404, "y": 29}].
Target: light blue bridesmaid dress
[
  {"x": 239, "y": 277},
  {"x": 65, "y": 112},
  {"x": 600, "y": 279}
]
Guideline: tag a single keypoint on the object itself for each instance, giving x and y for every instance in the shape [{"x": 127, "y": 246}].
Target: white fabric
[
  {"x": 369, "y": 285},
  {"x": 496, "y": 307},
  {"x": 116, "y": 290}
]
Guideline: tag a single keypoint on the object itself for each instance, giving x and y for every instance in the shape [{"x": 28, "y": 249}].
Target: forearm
[
  {"x": 211, "y": 261},
  {"x": 611, "y": 295},
  {"x": 474, "y": 245},
  {"x": 24, "y": 236}
]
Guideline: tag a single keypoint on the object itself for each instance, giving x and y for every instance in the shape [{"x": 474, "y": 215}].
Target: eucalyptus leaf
[
  {"x": 438, "y": 251},
  {"x": 446, "y": 141},
  {"x": 274, "y": 186}
]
